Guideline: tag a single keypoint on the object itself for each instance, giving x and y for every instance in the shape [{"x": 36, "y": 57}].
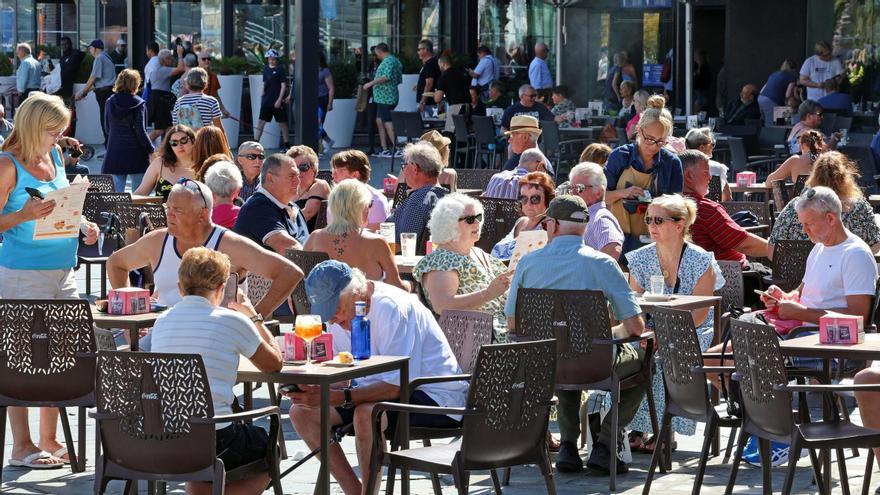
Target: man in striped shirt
[
  {"x": 603, "y": 230},
  {"x": 505, "y": 184},
  {"x": 714, "y": 230},
  {"x": 196, "y": 109}
]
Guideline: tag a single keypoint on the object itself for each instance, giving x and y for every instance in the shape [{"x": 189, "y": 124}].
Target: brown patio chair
[
  {"x": 47, "y": 359},
  {"x": 715, "y": 189},
  {"x": 474, "y": 178},
  {"x": 580, "y": 323},
  {"x": 789, "y": 263},
  {"x": 400, "y": 193},
  {"x": 156, "y": 422},
  {"x": 504, "y": 421},
  {"x": 500, "y": 215},
  {"x": 98, "y": 208},
  {"x": 799, "y": 185},
  {"x": 321, "y": 219},
  {"x": 305, "y": 260},
  {"x": 684, "y": 378},
  {"x": 781, "y": 195},
  {"x": 97, "y": 182}
]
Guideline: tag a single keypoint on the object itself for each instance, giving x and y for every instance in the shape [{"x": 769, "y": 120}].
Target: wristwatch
[
  {"x": 257, "y": 318},
  {"x": 346, "y": 402}
]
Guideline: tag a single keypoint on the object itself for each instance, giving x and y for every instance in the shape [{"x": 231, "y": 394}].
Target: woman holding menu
[{"x": 36, "y": 269}]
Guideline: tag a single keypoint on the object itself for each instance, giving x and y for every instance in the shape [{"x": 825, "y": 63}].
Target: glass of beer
[
  {"x": 387, "y": 231},
  {"x": 308, "y": 328}
]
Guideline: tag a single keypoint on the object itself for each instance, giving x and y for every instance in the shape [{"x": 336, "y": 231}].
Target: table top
[
  {"x": 874, "y": 199},
  {"x": 146, "y": 199},
  {"x": 756, "y": 187},
  {"x": 105, "y": 320},
  {"x": 679, "y": 301},
  {"x": 406, "y": 265},
  {"x": 322, "y": 374},
  {"x": 809, "y": 346}
]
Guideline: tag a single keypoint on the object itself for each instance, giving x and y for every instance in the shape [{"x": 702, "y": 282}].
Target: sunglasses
[
  {"x": 177, "y": 142},
  {"x": 580, "y": 188},
  {"x": 470, "y": 219},
  {"x": 193, "y": 186},
  {"x": 254, "y": 156},
  {"x": 659, "y": 220},
  {"x": 656, "y": 142},
  {"x": 205, "y": 58},
  {"x": 535, "y": 200},
  {"x": 304, "y": 167}
]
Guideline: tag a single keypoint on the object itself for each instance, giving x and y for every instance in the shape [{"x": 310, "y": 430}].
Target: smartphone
[
  {"x": 286, "y": 389},
  {"x": 34, "y": 193},
  {"x": 231, "y": 290},
  {"x": 75, "y": 152},
  {"x": 765, "y": 294}
]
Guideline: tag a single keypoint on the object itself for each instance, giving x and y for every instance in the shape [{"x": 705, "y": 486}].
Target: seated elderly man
[
  {"x": 744, "y": 107},
  {"x": 603, "y": 232},
  {"x": 422, "y": 167},
  {"x": 269, "y": 217},
  {"x": 224, "y": 181},
  {"x": 810, "y": 115},
  {"x": 579, "y": 267},
  {"x": 505, "y": 184},
  {"x": 239, "y": 331},
  {"x": 401, "y": 326},
  {"x": 189, "y": 226},
  {"x": 523, "y": 135}
]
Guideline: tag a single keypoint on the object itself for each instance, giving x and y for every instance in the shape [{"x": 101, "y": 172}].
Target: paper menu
[
  {"x": 64, "y": 220},
  {"x": 526, "y": 242}
]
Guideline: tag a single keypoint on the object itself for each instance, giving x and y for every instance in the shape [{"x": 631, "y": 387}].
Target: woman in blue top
[
  {"x": 640, "y": 171},
  {"x": 780, "y": 86},
  {"x": 35, "y": 269}
]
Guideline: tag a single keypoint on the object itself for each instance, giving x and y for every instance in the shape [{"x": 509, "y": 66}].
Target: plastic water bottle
[{"x": 360, "y": 332}]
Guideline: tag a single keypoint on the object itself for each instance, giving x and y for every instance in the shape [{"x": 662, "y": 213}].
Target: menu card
[{"x": 64, "y": 220}]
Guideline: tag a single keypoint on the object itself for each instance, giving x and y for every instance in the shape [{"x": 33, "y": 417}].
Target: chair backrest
[
  {"x": 257, "y": 287},
  {"x": 305, "y": 260},
  {"x": 47, "y": 351},
  {"x": 622, "y": 138},
  {"x": 466, "y": 332},
  {"x": 770, "y": 136},
  {"x": 145, "y": 404},
  {"x": 326, "y": 175},
  {"x": 550, "y": 137},
  {"x": 462, "y": 133},
  {"x": 321, "y": 218},
  {"x": 780, "y": 195},
  {"x": 500, "y": 215},
  {"x": 129, "y": 213},
  {"x": 738, "y": 157},
  {"x": 859, "y": 139},
  {"x": 715, "y": 189},
  {"x": 790, "y": 263},
  {"x": 484, "y": 129},
  {"x": 799, "y": 185},
  {"x": 841, "y": 122},
  {"x": 829, "y": 123},
  {"x": 97, "y": 182},
  {"x": 864, "y": 158},
  {"x": 512, "y": 387},
  {"x": 679, "y": 351},
  {"x": 400, "y": 193},
  {"x": 415, "y": 127},
  {"x": 97, "y": 203},
  {"x": 399, "y": 122},
  {"x": 732, "y": 291},
  {"x": 757, "y": 208},
  {"x": 575, "y": 318},
  {"x": 474, "y": 178},
  {"x": 760, "y": 367}
]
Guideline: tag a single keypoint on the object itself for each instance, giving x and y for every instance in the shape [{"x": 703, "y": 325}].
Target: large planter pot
[
  {"x": 88, "y": 117},
  {"x": 271, "y": 138},
  {"x": 339, "y": 124},
  {"x": 407, "y": 102},
  {"x": 230, "y": 94}
]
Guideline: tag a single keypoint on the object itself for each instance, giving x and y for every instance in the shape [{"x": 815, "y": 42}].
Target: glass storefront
[{"x": 510, "y": 28}]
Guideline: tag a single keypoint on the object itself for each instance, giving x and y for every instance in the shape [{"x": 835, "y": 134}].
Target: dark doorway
[{"x": 709, "y": 38}]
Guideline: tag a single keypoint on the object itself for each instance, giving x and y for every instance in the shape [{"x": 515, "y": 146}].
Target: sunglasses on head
[
  {"x": 178, "y": 142},
  {"x": 254, "y": 156},
  {"x": 193, "y": 186},
  {"x": 659, "y": 220},
  {"x": 470, "y": 219},
  {"x": 535, "y": 200}
]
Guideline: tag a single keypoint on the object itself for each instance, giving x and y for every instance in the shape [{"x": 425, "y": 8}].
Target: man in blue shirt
[
  {"x": 576, "y": 266},
  {"x": 269, "y": 217},
  {"x": 27, "y": 77},
  {"x": 539, "y": 73},
  {"x": 486, "y": 72},
  {"x": 101, "y": 79},
  {"x": 527, "y": 105},
  {"x": 834, "y": 100},
  {"x": 421, "y": 172}
]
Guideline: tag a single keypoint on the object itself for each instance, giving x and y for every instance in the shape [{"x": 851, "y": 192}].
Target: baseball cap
[
  {"x": 568, "y": 208},
  {"x": 97, "y": 44},
  {"x": 250, "y": 146},
  {"x": 272, "y": 53},
  {"x": 324, "y": 284}
]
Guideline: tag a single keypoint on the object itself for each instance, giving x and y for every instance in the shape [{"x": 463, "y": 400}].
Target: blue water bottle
[{"x": 360, "y": 332}]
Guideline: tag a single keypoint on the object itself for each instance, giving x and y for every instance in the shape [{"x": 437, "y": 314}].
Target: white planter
[
  {"x": 407, "y": 101},
  {"x": 88, "y": 118},
  {"x": 339, "y": 124},
  {"x": 271, "y": 138},
  {"x": 230, "y": 94}
]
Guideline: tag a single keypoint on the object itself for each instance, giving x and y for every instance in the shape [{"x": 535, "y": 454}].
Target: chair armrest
[
  {"x": 717, "y": 355},
  {"x": 418, "y": 382},
  {"x": 785, "y": 387},
  {"x": 626, "y": 340},
  {"x": 797, "y": 331},
  {"x": 413, "y": 408},
  {"x": 103, "y": 415},
  {"x": 242, "y": 416},
  {"x": 712, "y": 369}
]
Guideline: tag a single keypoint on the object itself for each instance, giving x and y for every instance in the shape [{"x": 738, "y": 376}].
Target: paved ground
[{"x": 525, "y": 480}]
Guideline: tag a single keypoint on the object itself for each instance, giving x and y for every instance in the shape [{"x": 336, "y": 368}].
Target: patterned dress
[
  {"x": 643, "y": 263},
  {"x": 561, "y": 108},
  {"x": 859, "y": 220},
  {"x": 473, "y": 276}
]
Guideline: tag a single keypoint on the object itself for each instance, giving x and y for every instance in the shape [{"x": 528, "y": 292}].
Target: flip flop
[
  {"x": 29, "y": 461},
  {"x": 60, "y": 453}
]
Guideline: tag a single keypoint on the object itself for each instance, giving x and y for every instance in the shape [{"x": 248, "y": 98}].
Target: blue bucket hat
[{"x": 324, "y": 284}]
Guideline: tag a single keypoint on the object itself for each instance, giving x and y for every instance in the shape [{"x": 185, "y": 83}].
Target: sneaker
[
  {"x": 779, "y": 453},
  {"x": 600, "y": 461},
  {"x": 377, "y": 154},
  {"x": 330, "y": 142},
  {"x": 568, "y": 460},
  {"x": 386, "y": 154},
  {"x": 751, "y": 454},
  {"x": 398, "y": 154}
]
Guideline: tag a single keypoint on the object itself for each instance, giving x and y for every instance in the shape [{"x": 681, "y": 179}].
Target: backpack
[{"x": 188, "y": 114}]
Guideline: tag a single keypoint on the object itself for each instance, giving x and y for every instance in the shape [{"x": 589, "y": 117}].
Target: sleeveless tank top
[
  {"x": 163, "y": 187},
  {"x": 19, "y": 250},
  {"x": 165, "y": 273}
]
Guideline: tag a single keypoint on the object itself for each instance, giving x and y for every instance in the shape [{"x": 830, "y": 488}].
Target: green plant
[
  {"x": 85, "y": 68},
  {"x": 51, "y": 51},
  {"x": 235, "y": 65},
  {"x": 5, "y": 64},
  {"x": 345, "y": 79},
  {"x": 411, "y": 64}
]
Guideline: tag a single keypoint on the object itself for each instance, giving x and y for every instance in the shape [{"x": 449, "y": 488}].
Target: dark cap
[
  {"x": 97, "y": 44},
  {"x": 568, "y": 208}
]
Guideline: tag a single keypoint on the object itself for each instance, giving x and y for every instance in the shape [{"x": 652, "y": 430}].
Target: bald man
[{"x": 745, "y": 107}]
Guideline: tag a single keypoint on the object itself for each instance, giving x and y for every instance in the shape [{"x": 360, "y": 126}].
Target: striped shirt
[
  {"x": 505, "y": 184},
  {"x": 219, "y": 335},
  {"x": 208, "y": 107},
  {"x": 715, "y": 231},
  {"x": 603, "y": 228}
]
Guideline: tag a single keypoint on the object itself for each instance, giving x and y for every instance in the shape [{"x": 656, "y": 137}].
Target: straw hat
[
  {"x": 438, "y": 141},
  {"x": 524, "y": 123}
]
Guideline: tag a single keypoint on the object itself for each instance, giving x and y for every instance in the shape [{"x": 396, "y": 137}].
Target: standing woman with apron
[
  {"x": 35, "y": 269},
  {"x": 644, "y": 166}
]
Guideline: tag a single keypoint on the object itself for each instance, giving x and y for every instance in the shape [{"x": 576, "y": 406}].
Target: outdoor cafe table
[
  {"x": 756, "y": 188},
  {"x": 405, "y": 265},
  {"x": 325, "y": 375},
  {"x": 141, "y": 200},
  {"x": 132, "y": 323}
]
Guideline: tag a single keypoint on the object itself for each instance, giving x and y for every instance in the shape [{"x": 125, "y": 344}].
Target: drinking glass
[
  {"x": 308, "y": 328},
  {"x": 658, "y": 284},
  {"x": 386, "y": 230},
  {"x": 408, "y": 244}
]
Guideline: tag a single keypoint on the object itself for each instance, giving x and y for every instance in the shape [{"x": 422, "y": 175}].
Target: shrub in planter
[
  {"x": 227, "y": 66},
  {"x": 345, "y": 79},
  {"x": 85, "y": 68},
  {"x": 6, "y": 64}
]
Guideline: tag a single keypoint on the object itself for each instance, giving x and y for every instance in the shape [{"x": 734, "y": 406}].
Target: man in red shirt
[{"x": 714, "y": 230}]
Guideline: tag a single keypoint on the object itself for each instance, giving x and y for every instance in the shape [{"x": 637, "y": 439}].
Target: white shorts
[{"x": 37, "y": 284}]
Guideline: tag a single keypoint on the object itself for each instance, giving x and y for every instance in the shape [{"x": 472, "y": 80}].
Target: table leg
[
  {"x": 248, "y": 396},
  {"x": 404, "y": 423},
  {"x": 104, "y": 280},
  {"x": 134, "y": 338},
  {"x": 826, "y": 415},
  {"x": 323, "y": 487}
]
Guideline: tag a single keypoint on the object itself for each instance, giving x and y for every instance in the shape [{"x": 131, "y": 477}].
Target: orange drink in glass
[{"x": 308, "y": 328}]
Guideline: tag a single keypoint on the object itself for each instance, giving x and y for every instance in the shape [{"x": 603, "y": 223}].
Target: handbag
[{"x": 363, "y": 96}]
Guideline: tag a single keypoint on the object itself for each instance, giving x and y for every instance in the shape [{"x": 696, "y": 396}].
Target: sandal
[
  {"x": 648, "y": 446},
  {"x": 60, "y": 453},
  {"x": 29, "y": 461},
  {"x": 552, "y": 443},
  {"x": 636, "y": 441}
]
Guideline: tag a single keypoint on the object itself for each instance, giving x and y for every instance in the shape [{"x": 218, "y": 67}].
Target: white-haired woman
[
  {"x": 346, "y": 238},
  {"x": 457, "y": 274},
  {"x": 687, "y": 269},
  {"x": 224, "y": 180}
]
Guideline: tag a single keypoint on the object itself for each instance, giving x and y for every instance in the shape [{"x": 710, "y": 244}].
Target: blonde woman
[
  {"x": 30, "y": 269},
  {"x": 128, "y": 144},
  {"x": 311, "y": 190},
  {"x": 644, "y": 166},
  {"x": 346, "y": 239},
  {"x": 687, "y": 269}
]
